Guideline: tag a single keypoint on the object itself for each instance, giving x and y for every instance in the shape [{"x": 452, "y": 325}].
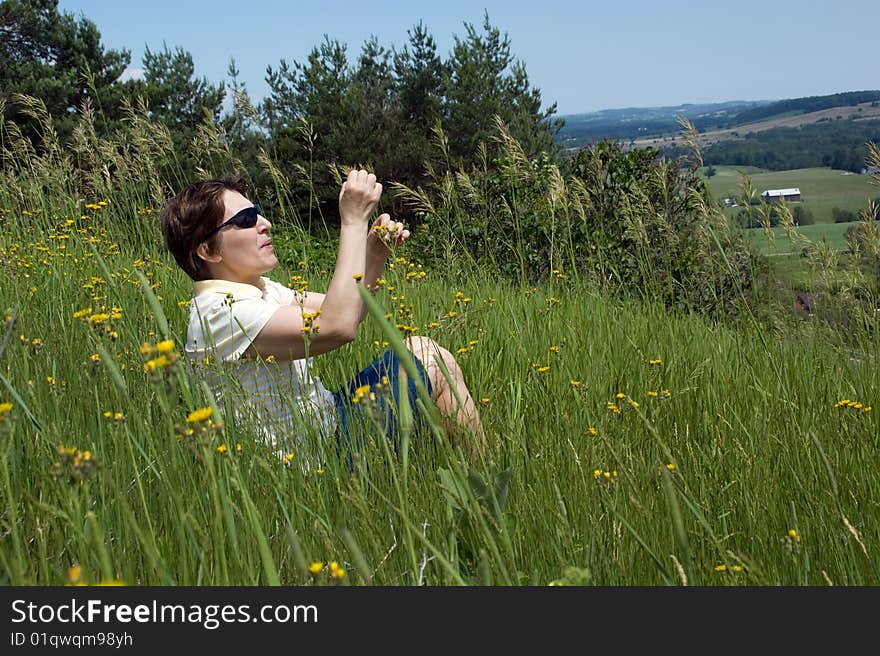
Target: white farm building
[{"x": 788, "y": 195}]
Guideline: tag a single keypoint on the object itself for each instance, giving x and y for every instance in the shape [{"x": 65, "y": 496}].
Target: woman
[{"x": 265, "y": 334}]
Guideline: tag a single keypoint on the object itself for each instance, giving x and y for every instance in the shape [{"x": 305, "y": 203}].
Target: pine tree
[
  {"x": 59, "y": 59},
  {"x": 484, "y": 80},
  {"x": 174, "y": 95}
]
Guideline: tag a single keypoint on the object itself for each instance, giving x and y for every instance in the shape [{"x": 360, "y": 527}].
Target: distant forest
[
  {"x": 581, "y": 130},
  {"x": 839, "y": 143},
  {"x": 639, "y": 123},
  {"x": 805, "y": 105}
]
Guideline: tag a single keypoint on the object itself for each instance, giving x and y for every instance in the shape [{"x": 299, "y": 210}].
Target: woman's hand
[{"x": 358, "y": 197}]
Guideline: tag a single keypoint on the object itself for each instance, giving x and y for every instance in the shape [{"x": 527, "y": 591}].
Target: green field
[
  {"x": 822, "y": 189},
  {"x": 629, "y": 443},
  {"x": 781, "y": 244},
  {"x": 631, "y": 446}
]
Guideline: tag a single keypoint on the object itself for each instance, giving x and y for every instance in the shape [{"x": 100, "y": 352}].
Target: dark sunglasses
[{"x": 246, "y": 218}]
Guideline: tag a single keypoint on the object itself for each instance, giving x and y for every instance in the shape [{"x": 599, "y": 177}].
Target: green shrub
[
  {"x": 803, "y": 216},
  {"x": 843, "y": 216},
  {"x": 629, "y": 221}
]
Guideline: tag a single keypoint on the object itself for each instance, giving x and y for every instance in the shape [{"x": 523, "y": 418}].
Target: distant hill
[
  {"x": 716, "y": 121},
  {"x": 839, "y": 143},
  {"x": 806, "y": 105},
  {"x": 739, "y": 131},
  {"x": 648, "y": 122}
]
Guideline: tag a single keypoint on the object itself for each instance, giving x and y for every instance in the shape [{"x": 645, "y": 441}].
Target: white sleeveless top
[{"x": 281, "y": 396}]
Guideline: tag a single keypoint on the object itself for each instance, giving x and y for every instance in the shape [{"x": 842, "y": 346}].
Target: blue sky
[{"x": 583, "y": 55}]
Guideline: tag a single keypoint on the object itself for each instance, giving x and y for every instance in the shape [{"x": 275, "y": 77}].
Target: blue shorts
[{"x": 387, "y": 366}]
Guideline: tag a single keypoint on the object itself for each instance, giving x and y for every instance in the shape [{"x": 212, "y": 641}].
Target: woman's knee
[
  {"x": 421, "y": 346},
  {"x": 425, "y": 348},
  {"x": 428, "y": 352}
]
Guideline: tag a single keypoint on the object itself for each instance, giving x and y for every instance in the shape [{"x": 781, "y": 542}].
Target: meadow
[
  {"x": 630, "y": 444},
  {"x": 778, "y": 242},
  {"x": 822, "y": 189}
]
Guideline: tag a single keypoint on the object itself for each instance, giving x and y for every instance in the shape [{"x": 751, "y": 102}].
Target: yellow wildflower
[
  {"x": 157, "y": 363},
  {"x": 74, "y": 574},
  {"x": 360, "y": 393},
  {"x": 202, "y": 414},
  {"x": 4, "y": 410},
  {"x": 165, "y": 346},
  {"x": 336, "y": 571}
]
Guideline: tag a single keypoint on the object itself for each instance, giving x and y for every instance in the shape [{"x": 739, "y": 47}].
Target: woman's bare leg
[{"x": 462, "y": 420}]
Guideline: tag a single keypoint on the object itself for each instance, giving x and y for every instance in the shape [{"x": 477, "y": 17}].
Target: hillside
[
  {"x": 863, "y": 111},
  {"x": 654, "y": 126},
  {"x": 822, "y": 189},
  {"x": 807, "y": 105},
  {"x": 642, "y": 122}
]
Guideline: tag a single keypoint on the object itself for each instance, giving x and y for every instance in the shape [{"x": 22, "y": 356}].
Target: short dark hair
[{"x": 191, "y": 215}]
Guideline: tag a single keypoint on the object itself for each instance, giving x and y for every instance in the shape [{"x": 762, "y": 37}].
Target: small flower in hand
[{"x": 390, "y": 233}]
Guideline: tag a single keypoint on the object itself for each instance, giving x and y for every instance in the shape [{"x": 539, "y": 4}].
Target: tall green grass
[{"x": 630, "y": 445}]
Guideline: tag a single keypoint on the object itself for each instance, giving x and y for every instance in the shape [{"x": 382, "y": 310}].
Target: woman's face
[{"x": 245, "y": 253}]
